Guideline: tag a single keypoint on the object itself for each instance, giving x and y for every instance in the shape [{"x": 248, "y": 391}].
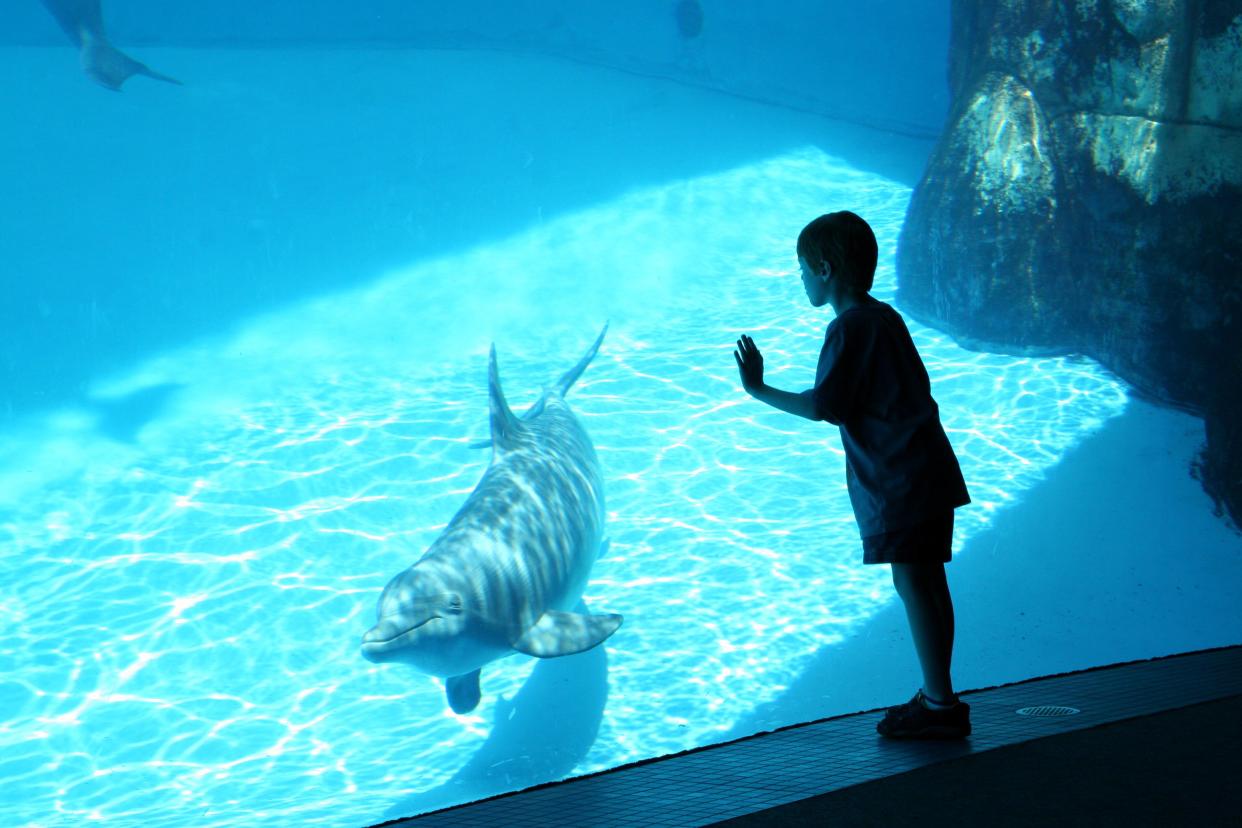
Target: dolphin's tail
[
  {"x": 505, "y": 426},
  {"x": 109, "y": 67},
  {"x": 569, "y": 377}
]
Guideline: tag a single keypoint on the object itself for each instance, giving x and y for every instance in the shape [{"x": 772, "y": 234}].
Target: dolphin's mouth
[{"x": 387, "y": 636}]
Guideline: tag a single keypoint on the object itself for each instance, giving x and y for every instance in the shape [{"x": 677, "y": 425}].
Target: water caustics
[{"x": 181, "y": 629}]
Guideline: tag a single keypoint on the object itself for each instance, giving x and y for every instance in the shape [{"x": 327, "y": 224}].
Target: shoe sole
[{"x": 935, "y": 732}]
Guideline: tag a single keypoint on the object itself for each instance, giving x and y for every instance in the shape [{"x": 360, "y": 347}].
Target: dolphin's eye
[{"x": 453, "y": 605}]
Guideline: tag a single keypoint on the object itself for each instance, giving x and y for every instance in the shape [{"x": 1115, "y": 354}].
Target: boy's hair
[{"x": 846, "y": 242}]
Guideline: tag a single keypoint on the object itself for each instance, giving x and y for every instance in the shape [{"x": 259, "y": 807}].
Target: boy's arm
[
  {"x": 801, "y": 404},
  {"x": 750, "y": 366}
]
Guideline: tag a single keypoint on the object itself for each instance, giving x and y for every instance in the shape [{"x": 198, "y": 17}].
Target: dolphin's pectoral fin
[
  {"x": 463, "y": 692},
  {"x": 566, "y": 633}
]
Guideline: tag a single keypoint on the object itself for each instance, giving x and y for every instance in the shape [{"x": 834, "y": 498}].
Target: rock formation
[{"x": 1086, "y": 197}]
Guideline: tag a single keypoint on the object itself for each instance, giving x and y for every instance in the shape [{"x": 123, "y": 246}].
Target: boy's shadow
[{"x": 540, "y": 735}]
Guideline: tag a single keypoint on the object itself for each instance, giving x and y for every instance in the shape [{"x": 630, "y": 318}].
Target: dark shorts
[{"x": 928, "y": 542}]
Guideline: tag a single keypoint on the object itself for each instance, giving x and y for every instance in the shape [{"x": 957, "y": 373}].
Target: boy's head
[{"x": 846, "y": 243}]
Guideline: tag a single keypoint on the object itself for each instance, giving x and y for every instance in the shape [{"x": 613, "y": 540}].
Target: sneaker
[{"x": 914, "y": 720}]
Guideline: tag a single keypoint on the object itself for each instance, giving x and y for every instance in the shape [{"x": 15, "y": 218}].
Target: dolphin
[
  {"x": 104, "y": 63},
  {"x": 513, "y": 562}
]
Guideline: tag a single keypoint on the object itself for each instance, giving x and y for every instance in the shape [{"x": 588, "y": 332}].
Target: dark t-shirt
[{"x": 871, "y": 382}]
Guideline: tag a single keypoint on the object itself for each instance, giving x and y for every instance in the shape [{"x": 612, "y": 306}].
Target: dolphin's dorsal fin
[
  {"x": 565, "y": 633},
  {"x": 567, "y": 379},
  {"x": 505, "y": 426}
]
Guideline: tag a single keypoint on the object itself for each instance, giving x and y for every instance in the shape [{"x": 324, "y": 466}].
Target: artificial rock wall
[{"x": 1086, "y": 197}]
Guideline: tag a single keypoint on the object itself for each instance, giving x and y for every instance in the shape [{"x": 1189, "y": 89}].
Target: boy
[{"x": 903, "y": 477}]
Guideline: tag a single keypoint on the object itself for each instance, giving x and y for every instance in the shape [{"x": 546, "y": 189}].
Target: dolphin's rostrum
[{"x": 513, "y": 561}]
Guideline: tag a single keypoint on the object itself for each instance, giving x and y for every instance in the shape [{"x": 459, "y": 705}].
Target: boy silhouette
[{"x": 903, "y": 477}]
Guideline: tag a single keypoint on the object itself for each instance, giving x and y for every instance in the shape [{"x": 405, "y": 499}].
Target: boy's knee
[
  {"x": 901, "y": 578},
  {"x": 908, "y": 576}
]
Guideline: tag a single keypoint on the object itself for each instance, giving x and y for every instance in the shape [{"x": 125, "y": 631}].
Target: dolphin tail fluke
[
  {"x": 505, "y": 426},
  {"x": 504, "y": 423},
  {"x": 565, "y": 633},
  {"x": 463, "y": 692},
  {"x": 569, "y": 377},
  {"x": 109, "y": 67}
]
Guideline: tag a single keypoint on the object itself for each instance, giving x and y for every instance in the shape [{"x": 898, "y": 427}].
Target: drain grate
[{"x": 1048, "y": 710}]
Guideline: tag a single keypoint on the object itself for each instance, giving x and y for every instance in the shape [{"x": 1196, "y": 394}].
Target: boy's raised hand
[{"x": 749, "y": 364}]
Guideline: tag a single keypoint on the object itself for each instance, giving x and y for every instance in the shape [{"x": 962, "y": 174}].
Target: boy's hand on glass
[{"x": 749, "y": 365}]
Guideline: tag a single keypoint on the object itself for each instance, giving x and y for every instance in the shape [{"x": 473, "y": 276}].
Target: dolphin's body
[
  {"x": 514, "y": 559},
  {"x": 102, "y": 62}
]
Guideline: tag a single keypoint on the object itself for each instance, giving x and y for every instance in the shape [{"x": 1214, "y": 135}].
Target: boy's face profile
[{"x": 815, "y": 282}]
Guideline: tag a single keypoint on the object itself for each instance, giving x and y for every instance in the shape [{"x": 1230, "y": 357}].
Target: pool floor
[{"x": 1152, "y": 743}]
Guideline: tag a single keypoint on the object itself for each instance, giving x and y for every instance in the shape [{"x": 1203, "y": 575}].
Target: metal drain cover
[{"x": 1048, "y": 710}]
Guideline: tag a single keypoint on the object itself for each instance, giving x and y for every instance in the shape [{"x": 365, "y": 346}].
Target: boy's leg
[{"x": 929, "y": 609}]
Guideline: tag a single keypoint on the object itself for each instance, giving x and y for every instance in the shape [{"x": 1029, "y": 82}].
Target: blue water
[
  {"x": 194, "y": 546},
  {"x": 218, "y": 572}
]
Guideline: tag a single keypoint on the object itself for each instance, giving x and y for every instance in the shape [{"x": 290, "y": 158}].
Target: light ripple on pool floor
[{"x": 180, "y": 639}]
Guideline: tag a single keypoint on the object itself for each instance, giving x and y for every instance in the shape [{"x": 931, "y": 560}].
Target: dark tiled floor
[{"x": 799, "y": 775}]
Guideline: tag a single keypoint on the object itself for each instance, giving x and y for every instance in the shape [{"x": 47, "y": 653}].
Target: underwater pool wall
[
  {"x": 179, "y": 245},
  {"x": 881, "y": 64}
]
